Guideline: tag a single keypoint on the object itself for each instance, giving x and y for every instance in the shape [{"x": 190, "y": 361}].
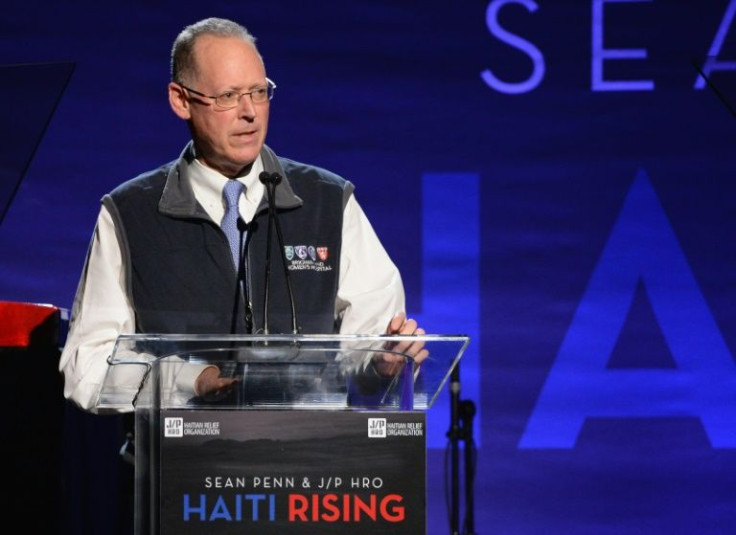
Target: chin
[{"x": 245, "y": 157}]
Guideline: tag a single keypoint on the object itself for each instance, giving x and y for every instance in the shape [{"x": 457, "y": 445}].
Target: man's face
[{"x": 227, "y": 140}]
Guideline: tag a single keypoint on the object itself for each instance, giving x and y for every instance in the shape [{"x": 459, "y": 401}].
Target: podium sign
[
  {"x": 311, "y": 438},
  {"x": 276, "y": 472}
]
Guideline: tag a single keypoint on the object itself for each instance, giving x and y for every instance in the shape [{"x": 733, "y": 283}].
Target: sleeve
[
  {"x": 101, "y": 312},
  {"x": 370, "y": 289}
]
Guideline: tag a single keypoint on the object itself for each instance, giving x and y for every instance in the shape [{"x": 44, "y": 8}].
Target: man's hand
[
  {"x": 209, "y": 384},
  {"x": 389, "y": 363}
]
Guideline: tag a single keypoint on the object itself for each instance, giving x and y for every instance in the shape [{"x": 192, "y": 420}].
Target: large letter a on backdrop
[{"x": 642, "y": 249}]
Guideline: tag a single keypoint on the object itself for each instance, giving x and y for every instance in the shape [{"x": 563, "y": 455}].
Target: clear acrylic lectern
[{"x": 311, "y": 438}]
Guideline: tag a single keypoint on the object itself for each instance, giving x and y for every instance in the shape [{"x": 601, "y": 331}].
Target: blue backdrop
[{"x": 553, "y": 178}]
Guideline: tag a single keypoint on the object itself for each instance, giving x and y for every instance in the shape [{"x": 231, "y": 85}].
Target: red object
[{"x": 28, "y": 324}]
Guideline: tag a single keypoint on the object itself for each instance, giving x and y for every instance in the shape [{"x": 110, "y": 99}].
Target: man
[{"x": 160, "y": 262}]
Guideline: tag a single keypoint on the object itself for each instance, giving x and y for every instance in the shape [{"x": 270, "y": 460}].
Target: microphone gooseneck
[
  {"x": 243, "y": 286},
  {"x": 270, "y": 181},
  {"x": 241, "y": 289},
  {"x": 265, "y": 178}
]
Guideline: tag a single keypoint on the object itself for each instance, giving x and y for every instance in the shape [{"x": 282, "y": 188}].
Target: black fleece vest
[{"x": 180, "y": 275}]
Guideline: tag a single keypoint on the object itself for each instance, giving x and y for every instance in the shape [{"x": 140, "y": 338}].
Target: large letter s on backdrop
[{"x": 517, "y": 42}]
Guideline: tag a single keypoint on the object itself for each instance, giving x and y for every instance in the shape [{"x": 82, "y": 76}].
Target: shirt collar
[{"x": 208, "y": 184}]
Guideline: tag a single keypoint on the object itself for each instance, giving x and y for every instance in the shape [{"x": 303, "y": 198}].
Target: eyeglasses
[{"x": 230, "y": 99}]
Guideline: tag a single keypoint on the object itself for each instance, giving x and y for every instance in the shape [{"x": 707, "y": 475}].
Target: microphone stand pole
[
  {"x": 462, "y": 413},
  {"x": 454, "y": 435},
  {"x": 467, "y": 412}
]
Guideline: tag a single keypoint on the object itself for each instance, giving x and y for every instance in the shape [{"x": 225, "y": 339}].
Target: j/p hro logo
[
  {"x": 173, "y": 427},
  {"x": 376, "y": 427}
]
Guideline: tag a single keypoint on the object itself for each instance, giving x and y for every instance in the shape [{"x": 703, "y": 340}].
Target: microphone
[{"x": 270, "y": 181}]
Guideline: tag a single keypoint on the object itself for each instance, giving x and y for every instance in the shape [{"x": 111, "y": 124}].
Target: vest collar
[
  {"x": 285, "y": 196},
  {"x": 178, "y": 199}
]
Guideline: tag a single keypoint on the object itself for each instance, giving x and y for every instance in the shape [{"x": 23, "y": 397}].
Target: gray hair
[{"x": 183, "y": 66}]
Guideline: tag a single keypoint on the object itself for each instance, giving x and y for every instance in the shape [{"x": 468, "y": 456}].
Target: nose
[{"x": 246, "y": 107}]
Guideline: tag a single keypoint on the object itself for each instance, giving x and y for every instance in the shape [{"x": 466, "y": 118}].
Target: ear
[{"x": 179, "y": 102}]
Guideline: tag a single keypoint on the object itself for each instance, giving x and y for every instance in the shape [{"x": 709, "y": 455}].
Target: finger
[
  {"x": 390, "y": 364},
  {"x": 390, "y": 358},
  {"x": 404, "y": 346},
  {"x": 409, "y": 327},
  {"x": 228, "y": 382},
  {"x": 396, "y": 323},
  {"x": 420, "y": 357},
  {"x": 415, "y": 349}
]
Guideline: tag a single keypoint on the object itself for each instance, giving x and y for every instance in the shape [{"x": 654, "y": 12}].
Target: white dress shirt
[{"x": 370, "y": 290}]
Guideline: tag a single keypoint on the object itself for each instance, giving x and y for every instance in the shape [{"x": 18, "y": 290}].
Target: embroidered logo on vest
[{"x": 307, "y": 257}]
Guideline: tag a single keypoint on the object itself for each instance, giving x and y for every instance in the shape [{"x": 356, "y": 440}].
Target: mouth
[{"x": 246, "y": 137}]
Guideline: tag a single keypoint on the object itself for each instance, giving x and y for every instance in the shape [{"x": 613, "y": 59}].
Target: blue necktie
[{"x": 229, "y": 224}]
